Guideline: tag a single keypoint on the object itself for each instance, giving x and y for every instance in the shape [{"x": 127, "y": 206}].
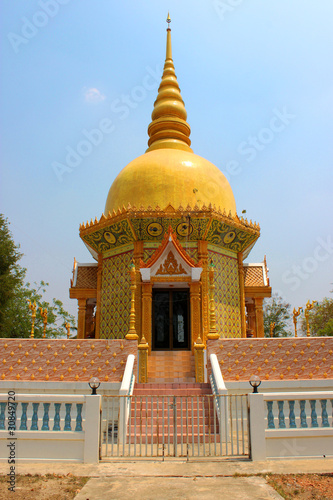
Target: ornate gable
[{"x": 170, "y": 259}]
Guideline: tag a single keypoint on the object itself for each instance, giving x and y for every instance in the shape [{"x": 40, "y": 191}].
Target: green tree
[
  {"x": 11, "y": 274},
  {"x": 320, "y": 319},
  {"x": 15, "y": 315},
  {"x": 277, "y": 311}
]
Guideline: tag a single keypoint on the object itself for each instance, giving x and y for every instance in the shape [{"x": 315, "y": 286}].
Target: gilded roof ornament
[{"x": 169, "y": 128}]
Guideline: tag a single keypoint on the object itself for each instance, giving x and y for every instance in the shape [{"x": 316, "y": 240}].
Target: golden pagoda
[{"x": 169, "y": 247}]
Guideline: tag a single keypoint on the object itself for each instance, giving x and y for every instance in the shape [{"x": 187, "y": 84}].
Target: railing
[
  {"x": 177, "y": 426},
  {"x": 298, "y": 424},
  {"x": 61, "y": 422},
  {"x": 309, "y": 407},
  {"x": 126, "y": 389},
  {"x": 35, "y": 412}
]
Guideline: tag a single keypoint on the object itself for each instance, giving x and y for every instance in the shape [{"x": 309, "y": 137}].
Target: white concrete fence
[
  {"x": 291, "y": 425},
  {"x": 39, "y": 427}
]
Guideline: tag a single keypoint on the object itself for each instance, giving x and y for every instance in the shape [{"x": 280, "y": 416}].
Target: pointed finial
[{"x": 169, "y": 128}]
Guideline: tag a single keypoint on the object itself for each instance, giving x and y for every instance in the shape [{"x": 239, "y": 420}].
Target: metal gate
[{"x": 175, "y": 426}]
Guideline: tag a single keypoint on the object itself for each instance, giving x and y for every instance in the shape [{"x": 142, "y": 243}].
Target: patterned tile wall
[
  {"x": 62, "y": 360},
  {"x": 115, "y": 296},
  {"x": 227, "y": 299},
  {"x": 274, "y": 358}
]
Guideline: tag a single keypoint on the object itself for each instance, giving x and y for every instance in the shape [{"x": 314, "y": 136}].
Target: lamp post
[
  {"x": 255, "y": 382},
  {"x": 94, "y": 384},
  {"x": 296, "y": 313},
  {"x": 308, "y": 307}
]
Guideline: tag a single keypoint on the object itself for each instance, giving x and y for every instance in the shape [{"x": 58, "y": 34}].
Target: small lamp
[
  {"x": 255, "y": 382},
  {"x": 94, "y": 384}
]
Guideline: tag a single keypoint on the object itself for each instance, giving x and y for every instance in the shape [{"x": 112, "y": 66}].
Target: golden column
[
  {"x": 203, "y": 257},
  {"x": 132, "y": 335},
  {"x": 81, "y": 319},
  {"x": 259, "y": 315},
  {"x": 143, "y": 360},
  {"x": 195, "y": 312},
  {"x": 43, "y": 314},
  {"x": 251, "y": 318},
  {"x": 138, "y": 256},
  {"x": 295, "y": 316},
  {"x": 146, "y": 312},
  {"x": 32, "y": 308},
  {"x": 212, "y": 335},
  {"x": 308, "y": 308},
  {"x": 241, "y": 293}
]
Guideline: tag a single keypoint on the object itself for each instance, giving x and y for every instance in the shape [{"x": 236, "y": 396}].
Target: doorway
[{"x": 170, "y": 317}]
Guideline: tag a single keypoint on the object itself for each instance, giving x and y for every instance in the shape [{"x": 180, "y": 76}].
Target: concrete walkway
[{"x": 176, "y": 479}]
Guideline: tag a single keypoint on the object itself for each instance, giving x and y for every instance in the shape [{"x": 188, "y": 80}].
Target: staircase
[
  {"x": 172, "y": 412},
  {"x": 171, "y": 366}
]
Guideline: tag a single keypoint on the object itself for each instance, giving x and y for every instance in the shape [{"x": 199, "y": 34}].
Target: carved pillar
[
  {"x": 81, "y": 320},
  {"x": 143, "y": 360},
  {"x": 203, "y": 257},
  {"x": 199, "y": 361},
  {"x": 99, "y": 294},
  {"x": 195, "y": 312},
  {"x": 138, "y": 256},
  {"x": 259, "y": 315},
  {"x": 146, "y": 312},
  {"x": 212, "y": 335},
  {"x": 89, "y": 323},
  {"x": 241, "y": 293},
  {"x": 251, "y": 318},
  {"x": 132, "y": 335}
]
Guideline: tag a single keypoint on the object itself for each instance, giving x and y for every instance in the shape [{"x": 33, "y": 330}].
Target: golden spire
[{"x": 169, "y": 128}]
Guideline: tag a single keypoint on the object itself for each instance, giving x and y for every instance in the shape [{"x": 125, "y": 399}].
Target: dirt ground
[
  {"x": 303, "y": 486},
  {"x": 58, "y": 487},
  {"x": 48, "y": 487}
]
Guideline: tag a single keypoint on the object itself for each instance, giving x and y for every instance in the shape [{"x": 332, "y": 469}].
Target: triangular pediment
[{"x": 170, "y": 259}]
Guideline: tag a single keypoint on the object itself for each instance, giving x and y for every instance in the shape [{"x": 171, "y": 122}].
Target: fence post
[
  {"x": 199, "y": 361},
  {"x": 257, "y": 426},
  {"x": 143, "y": 361},
  {"x": 92, "y": 429}
]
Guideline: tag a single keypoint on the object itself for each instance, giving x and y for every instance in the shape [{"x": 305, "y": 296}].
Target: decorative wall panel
[
  {"x": 227, "y": 298},
  {"x": 115, "y": 296}
]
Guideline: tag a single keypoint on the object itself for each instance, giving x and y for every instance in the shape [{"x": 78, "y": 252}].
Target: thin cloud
[{"x": 93, "y": 95}]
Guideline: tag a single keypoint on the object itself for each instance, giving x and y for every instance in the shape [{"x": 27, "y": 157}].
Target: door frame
[{"x": 188, "y": 333}]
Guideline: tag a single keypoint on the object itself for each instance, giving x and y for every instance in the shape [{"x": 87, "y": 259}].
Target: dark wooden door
[{"x": 170, "y": 319}]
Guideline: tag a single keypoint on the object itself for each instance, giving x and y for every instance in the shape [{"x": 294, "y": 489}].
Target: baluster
[
  {"x": 34, "y": 420},
  {"x": 68, "y": 419},
  {"x": 23, "y": 426},
  {"x": 314, "y": 422},
  {"x": 303, "y": 414},
  {"x": 292, "y": 422},
  {"x": 56, "y": 421},
  {"x": 324, "y": 415},
  {"x": 14, "y": 415},
  {"x": 45, "y": 426},
  {"x": 332, "y": 410},
  {"x": 2, "y": 416},
  {"x": 282, "y": 424},
  {"x": 78, "y": 426},
  {"x": 270, "y": 416}
]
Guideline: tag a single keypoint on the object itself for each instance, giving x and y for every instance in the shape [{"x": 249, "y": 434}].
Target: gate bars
[{"x": 175, "y": 426}]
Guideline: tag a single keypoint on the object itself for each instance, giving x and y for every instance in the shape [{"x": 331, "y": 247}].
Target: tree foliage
[
  {"x": 277, "y": 311},
  {"x": 320, "y": 319},
  {"x": 15, "y": 315}
]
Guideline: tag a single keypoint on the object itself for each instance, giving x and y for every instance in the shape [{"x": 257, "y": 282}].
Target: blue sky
[{"x": 256, "y": 78}]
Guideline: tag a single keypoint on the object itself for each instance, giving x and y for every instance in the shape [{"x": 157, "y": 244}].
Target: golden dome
[
  {"x": 172, "y": 176},
  {"x": 169, "y": 172}
]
